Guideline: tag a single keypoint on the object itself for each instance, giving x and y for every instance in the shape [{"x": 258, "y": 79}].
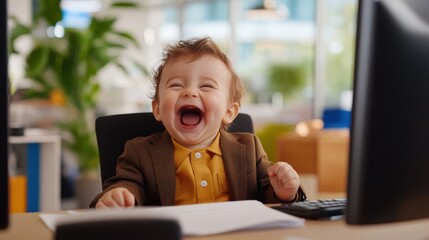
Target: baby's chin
[{"x": 194, "y": 140}]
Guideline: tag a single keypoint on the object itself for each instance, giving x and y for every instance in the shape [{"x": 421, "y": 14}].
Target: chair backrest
[{"x": 113, "y": 131}]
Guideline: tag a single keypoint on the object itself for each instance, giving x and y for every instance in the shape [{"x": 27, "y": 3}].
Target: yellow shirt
[{"x": 200, "y": 174}]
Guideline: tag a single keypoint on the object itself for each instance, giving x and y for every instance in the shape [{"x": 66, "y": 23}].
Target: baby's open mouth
[{"x": 190, "y": 116}]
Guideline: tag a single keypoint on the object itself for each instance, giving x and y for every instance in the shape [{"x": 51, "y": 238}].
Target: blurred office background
[{"x": 295, "y": 58}]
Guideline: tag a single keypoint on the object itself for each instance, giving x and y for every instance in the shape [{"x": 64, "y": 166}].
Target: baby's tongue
[{"x": 190, "y": 119}]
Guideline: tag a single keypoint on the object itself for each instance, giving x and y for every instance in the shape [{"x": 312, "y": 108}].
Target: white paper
[{"x": 194, "y": 219}]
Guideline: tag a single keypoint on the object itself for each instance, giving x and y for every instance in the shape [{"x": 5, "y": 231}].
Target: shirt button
[
  {"x": 198, "y": 155},
  {"x": 203, "y": 183}
]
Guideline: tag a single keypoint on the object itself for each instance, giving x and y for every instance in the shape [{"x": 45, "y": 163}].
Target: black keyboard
[{"x": 315, "y": 209}]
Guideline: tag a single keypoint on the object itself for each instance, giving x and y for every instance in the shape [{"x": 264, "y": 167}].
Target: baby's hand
[
  {"x": 285, "y": 180},
  {"x": 116, "y": 198}
]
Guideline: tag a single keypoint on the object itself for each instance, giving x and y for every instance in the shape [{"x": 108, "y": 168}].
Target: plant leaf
[
  {"x": 124, "y": 4},
  {"x": 127, "y": 36},
  {"x": 48, "y": 10},
  {"x": 123, "y": 68},
  {"x": 37, "y": 60},
  {"x": 142, "y": 68},
  {"x": 34, "y": 94},
  {"x": 100, "y": 26}
]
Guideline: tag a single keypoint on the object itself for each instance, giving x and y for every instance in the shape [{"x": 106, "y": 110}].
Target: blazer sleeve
[
  {"x": 128, "y": 174},
  {"x": 265, "y": 190}
]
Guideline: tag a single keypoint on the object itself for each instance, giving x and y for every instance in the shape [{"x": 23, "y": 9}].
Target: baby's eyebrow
[{"x": 207, "y": 78}]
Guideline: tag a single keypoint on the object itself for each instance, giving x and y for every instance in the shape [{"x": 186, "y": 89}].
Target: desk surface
[{"x": 30, "y": 226}]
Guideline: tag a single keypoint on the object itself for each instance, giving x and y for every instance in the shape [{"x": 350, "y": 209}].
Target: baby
[{"x": 197, "y": 95}]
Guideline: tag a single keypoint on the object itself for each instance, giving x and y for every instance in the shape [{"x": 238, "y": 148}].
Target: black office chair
[{"x": 113, "y": 131}]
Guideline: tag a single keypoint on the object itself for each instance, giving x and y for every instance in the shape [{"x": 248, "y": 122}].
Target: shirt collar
[{"x": 180, "y": 151}]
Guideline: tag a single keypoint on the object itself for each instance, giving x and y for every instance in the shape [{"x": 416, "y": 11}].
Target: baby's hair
[{"x": 191, "y": 50}]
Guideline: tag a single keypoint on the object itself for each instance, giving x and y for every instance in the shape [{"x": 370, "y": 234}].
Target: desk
[{"x": 30, "y": 226}]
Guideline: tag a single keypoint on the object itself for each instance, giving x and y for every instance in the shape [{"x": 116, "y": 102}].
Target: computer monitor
[
  {"x": 4, "y": 189},
  {"x": 388, "y": 177}
]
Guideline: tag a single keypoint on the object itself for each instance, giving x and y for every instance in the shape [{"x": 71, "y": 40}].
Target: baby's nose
[{"x": 190, "y": 92}]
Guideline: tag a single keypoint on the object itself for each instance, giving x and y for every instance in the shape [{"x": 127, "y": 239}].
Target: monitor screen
[
  {"x": 4, "y": 190},
  {"x": 388, "y": 177}
]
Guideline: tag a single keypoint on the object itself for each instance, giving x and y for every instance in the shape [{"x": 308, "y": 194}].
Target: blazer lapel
[
  {"x": 234, "y": 158},
  {"x": 162, "y": 156}
]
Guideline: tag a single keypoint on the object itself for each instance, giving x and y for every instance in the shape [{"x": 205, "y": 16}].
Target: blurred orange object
[
  {"x": 57, "y": 97},
  {"x": 18, "y": 194}
]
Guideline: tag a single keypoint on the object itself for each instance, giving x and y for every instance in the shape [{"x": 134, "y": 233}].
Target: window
[{"x": 261, "y": 49}]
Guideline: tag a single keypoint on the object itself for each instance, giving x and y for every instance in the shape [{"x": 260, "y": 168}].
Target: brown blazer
[{"x": 147, "y": 169}]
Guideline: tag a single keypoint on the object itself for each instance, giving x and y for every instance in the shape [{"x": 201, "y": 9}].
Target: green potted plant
[
  {"x": 64, "y": 70},
  {"x": 286, "y": 78}
]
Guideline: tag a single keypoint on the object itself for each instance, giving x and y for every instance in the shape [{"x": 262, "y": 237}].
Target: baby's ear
[
  {"x": 155, "y": 110},
  {"x": 231, "y": 113}
]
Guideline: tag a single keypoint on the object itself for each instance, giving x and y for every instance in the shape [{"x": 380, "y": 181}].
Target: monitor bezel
[{"x": 4, "y": 130}]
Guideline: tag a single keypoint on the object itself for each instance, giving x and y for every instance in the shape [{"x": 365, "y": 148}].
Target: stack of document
[{"x": 194, "y": 220}]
